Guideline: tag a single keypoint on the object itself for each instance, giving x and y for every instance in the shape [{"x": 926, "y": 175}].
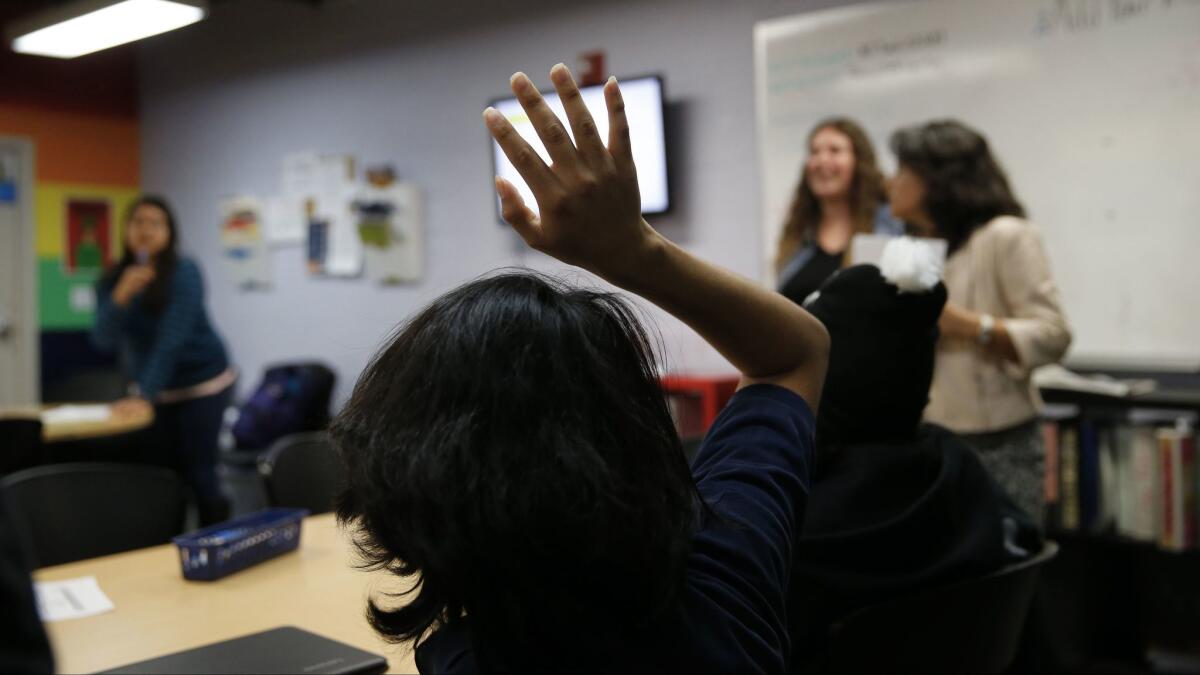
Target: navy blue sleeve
[
  {"x": 178, "y": 321},
  {"x": 106, "y": 332},
  {"x": 754, "y": 471}
]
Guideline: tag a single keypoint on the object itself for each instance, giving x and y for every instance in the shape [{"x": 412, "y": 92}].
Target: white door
[{"x": 18, "y": 276}]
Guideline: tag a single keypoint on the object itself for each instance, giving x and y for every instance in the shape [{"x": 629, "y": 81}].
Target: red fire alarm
[{"x": 590, "y": 68}]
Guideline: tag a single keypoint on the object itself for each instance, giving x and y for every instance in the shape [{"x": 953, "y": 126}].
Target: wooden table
[
  {"x": 158, "y": 612},
  {"x": 73, "y": 431}
]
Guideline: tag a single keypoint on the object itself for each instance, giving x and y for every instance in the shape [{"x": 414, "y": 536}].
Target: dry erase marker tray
[{"x": 222, "y": 549}]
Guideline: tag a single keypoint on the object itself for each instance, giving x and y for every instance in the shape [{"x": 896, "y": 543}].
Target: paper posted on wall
[
  {"x": 323, "y": 188},
  {"x": 389, "y": 219},
  {"x": 243, "y": 244},
  {"x": 283, "y": 220}
]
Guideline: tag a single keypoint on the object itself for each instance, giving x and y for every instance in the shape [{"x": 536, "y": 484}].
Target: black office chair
[
  {"x": 99, "y": 383},
  {"x": 71, "y": 512},
  {"x": 301, "y": 471},
  {"x": 971, "y": 626},
  {"x": 20, "y": 443}
]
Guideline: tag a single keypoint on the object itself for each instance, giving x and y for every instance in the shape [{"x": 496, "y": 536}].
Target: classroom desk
[
  {"x": 158, "y": 612},
  {"x": 74, "y": 431}
]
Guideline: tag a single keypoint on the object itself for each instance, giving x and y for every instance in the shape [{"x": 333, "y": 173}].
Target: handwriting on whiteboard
[{"x": 1074, "y": 16}]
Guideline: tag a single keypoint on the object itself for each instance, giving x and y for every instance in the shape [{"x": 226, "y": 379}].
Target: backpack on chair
[{"x": 291, "y": 398}]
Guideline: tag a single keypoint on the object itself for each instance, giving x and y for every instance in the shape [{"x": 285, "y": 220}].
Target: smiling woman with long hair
[
  {"x": 150, "y": 307},
  {"x": 840, "y": 194}
]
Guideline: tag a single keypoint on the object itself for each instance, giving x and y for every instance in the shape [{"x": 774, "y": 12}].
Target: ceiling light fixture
[{"x": 87, "y": 26}]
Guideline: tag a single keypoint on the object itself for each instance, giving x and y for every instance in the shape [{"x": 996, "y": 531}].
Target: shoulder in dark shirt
[{"x": 753, "y": 471}]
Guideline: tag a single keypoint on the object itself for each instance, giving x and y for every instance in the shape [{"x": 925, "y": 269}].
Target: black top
[
  {"x": 23, "y": 644},
  {"x": 881, "y": 362},
  {"x": 809, "y": 278},
  {"x": 754, "y": 471},
  {"x": 887, "y": 519}
]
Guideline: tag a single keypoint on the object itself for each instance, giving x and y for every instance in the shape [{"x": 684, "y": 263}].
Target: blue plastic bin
[{"x": 222, "y": 549}]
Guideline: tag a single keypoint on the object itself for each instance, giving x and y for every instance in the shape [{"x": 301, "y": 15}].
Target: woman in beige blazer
[{"x": 1003, "y": 318}]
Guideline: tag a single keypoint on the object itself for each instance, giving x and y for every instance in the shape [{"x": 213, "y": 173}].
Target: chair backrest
[
  {"x": 970, "y": 626},
  {"x": 301, "y": 471},
  {"x": 71, "y": 512},
  {"x": 20, "y": 443},
  {"x": 96, "y": 383}
]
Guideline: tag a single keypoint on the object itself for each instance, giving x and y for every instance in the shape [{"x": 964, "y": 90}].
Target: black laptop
[{"x": 280, "y": 650}]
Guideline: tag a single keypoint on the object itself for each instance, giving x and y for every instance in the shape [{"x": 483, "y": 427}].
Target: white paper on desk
[
  {"x": 68, "y": 414},
  {"x": 70, "y": 599}
]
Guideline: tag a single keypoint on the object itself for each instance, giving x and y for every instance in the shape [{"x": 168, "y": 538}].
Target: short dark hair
[
  {"x": 965, "y": 186},
  {"x": 511, "y": 449}
]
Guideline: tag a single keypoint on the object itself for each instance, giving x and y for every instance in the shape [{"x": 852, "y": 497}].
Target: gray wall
[{"x": 224, "y": 100}]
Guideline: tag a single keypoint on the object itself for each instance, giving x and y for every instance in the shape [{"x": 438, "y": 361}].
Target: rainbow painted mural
[{"x": 86, "y": 172}]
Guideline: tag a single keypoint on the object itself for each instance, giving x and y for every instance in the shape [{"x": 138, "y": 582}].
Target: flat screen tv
[{"x": 644, "y": 109}]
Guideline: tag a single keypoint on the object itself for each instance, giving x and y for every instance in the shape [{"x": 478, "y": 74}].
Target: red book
[
  {"x": 1166, "y": 456},
  {"x": 1177, "y": 453}
]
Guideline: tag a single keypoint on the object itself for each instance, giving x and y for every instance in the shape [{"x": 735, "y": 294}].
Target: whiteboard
[{"x": 1093, "y": 107}]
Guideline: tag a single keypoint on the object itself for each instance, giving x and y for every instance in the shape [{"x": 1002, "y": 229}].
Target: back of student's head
[
  {"x": 511, "y": 450},
  {"x": 881, "y": 356}
]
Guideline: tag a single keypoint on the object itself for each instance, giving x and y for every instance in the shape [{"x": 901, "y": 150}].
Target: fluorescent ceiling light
[{"x": 89, "y": 26}]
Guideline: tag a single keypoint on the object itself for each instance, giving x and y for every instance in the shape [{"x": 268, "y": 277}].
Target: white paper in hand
[{"x": 914, "y": 265}]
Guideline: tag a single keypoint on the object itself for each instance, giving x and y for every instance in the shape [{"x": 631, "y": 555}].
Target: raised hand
[
  {"x": 591, "y": 217},
  {"x": 588, "y": 197},
  {"x": 133, "y": 281}
]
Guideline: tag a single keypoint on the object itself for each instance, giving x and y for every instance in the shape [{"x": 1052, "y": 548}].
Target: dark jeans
[{"x": 187, "y": 434}]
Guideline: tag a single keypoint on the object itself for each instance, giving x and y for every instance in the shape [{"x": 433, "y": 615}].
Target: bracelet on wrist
[{"x": 987, "y": 328}]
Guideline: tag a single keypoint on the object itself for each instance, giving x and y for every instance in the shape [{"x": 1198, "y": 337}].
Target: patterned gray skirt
[{"x": 1016, "y": 458}]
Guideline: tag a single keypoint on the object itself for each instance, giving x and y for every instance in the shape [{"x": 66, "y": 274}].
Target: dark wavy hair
[
  {"x": 965, "y": 186},
  {"x": 512, "y": 452},
  {"x": 866, "y": 193},
  {"x": 158, "y": 292}
]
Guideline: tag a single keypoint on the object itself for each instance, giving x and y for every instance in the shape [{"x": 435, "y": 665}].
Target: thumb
[{"x": 516, "y": 213}]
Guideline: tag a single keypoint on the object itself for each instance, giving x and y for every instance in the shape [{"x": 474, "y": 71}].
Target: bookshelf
[
  {"x": 1117, "y": 601},
  {"x": 1185, "y": 400}
]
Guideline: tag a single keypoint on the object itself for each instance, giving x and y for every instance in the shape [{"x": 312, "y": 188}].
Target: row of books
[{"x": 1136, "y": 477}]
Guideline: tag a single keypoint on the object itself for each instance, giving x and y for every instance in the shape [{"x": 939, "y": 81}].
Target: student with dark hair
[
  {"x": 840, "y": 194},
  {"x": 1003, "y": 318},
  {"x": 511, "y": 453},
  {"x": 150, "y": 307},
  {"x": 896, "y": 506}
]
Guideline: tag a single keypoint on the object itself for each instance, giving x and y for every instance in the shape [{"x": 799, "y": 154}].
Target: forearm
[
  {"x": 175, "y": 326},
  {"x": 763, "y": 334},
  {"x": 106, "y": 331},
  {"x": 1001, "y": 344},
  {"x": 967, "y": 325},
  {"x": 590, "y": 217}
]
